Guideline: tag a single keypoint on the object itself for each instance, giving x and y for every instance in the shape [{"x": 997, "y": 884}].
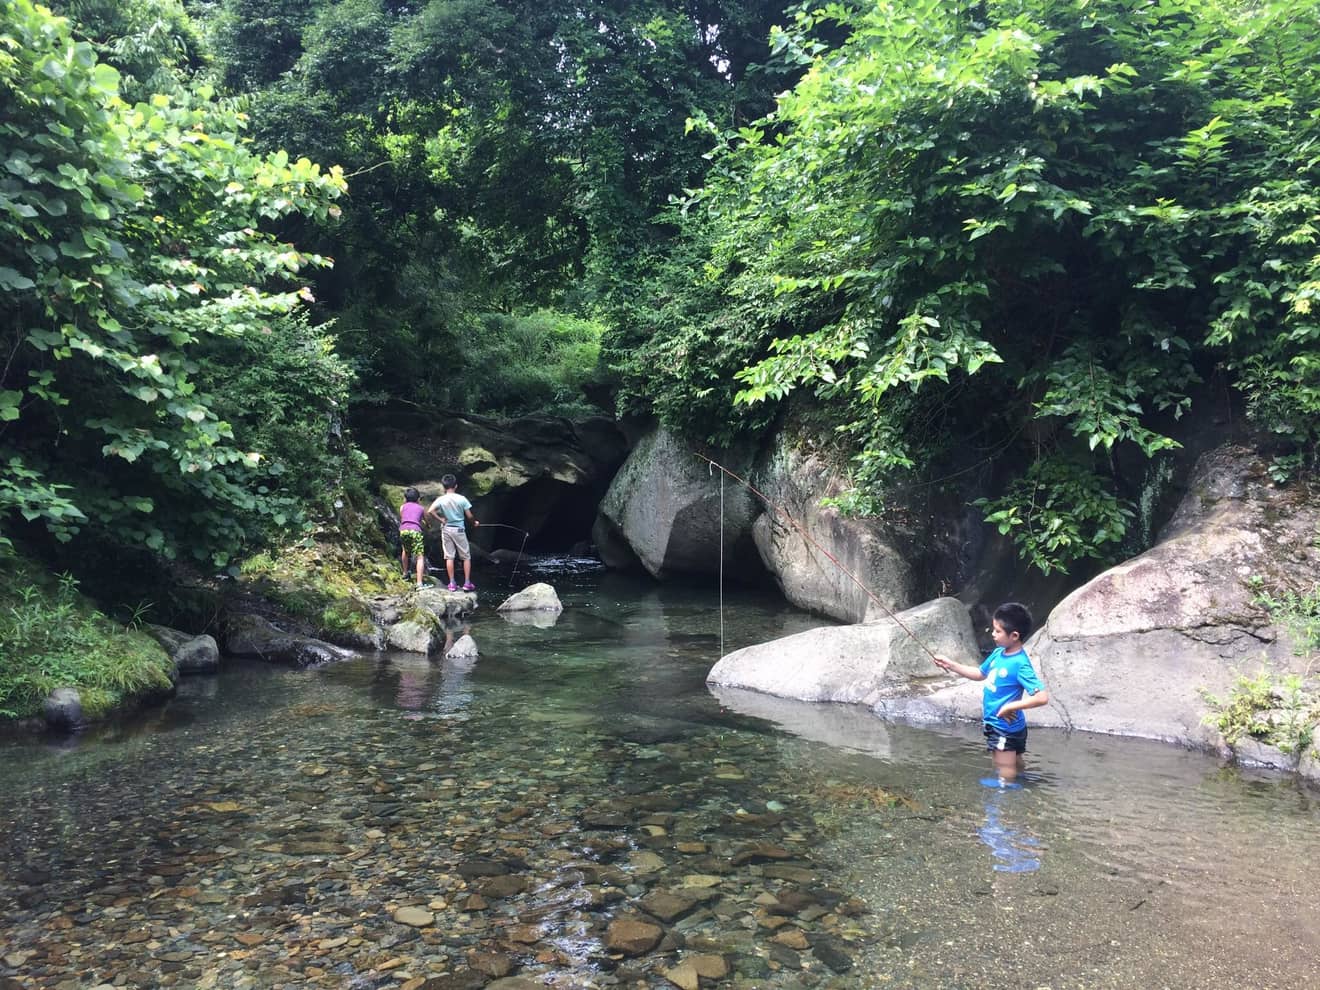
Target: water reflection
[{"x": 1013, "y": 849}]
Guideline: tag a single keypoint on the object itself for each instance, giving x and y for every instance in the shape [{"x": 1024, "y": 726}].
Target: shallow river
[{"x": 397, "y": 822}]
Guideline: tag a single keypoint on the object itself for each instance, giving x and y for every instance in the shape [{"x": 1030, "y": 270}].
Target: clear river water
[{"x": 576, "y": 809}]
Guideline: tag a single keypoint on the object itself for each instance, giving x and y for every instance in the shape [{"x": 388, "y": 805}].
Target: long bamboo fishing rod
[{"x": 779, "y": 511}]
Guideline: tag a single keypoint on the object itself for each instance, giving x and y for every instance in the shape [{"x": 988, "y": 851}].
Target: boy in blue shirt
[
  {"x": 1011, "y": 688},
  {"x": 453, "y": 537}
]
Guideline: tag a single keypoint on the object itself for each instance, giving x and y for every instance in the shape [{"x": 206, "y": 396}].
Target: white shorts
[{"x": 454, "y": 541}]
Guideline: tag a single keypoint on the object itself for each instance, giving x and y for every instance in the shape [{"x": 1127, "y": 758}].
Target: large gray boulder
[
  {"x": 859, "y": 664},
  {"x": 191, "y": 654},
  {"x": 1130, "y": 651},
  {"x": 795, "y": 552},
  {"x": 664, "y": 508}
]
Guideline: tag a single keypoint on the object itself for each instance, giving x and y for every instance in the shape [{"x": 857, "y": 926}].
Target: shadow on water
[{"x": 266, "y": 827}]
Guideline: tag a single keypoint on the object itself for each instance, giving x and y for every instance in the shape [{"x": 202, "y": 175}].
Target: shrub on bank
[{"x": 51, "y": 637}]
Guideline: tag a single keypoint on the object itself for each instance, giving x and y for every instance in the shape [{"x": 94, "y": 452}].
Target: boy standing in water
[
  {"x": 453, "y": 537},
  {"x": 412, "y": 542},
  {"x": 1011, "y": 687}
]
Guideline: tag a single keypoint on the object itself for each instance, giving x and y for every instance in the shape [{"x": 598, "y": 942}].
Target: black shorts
[{"x": 1013, "y": 742}]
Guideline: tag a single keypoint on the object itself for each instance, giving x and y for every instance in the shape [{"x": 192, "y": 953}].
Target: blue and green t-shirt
[
  {"x": 1007, "y": 677},
  {"x": 454, "y": 507}
]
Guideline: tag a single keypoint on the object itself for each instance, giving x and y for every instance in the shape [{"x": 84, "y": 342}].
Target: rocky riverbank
[{"x": 1140, "y": 650}]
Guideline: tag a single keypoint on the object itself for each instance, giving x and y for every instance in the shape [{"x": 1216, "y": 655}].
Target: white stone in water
[
  {"x": 774, "y": 806},
  {"x": 535, "y": 597}
]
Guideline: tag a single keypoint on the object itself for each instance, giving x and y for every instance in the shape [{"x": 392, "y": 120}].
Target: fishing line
[
  {"x": 520, "y": 549},
  {"x": 711, "y": 470},
  {"x": 771, "y": 504}
]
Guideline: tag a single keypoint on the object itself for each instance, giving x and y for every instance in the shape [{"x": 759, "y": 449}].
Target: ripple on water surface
[{"x": 574, "y": 806}]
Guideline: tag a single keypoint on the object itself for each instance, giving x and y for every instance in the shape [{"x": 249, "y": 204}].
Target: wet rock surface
[
  {"x": 249, "y": 635},
  {"x": 191, "y": 654}
]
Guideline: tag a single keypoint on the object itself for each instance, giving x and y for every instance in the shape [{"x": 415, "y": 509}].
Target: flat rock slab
[{"x": 414, "y": 916}]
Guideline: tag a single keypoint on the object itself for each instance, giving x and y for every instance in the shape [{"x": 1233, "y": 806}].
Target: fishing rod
[
  {"x": 520, "y": 549},
  {"x": 775, "y": 507}
]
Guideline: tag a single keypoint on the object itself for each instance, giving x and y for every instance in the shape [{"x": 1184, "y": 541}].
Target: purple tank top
[{"x": 410, "y": 516}]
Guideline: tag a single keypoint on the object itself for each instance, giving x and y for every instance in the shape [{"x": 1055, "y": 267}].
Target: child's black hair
[
  {"x": 1015, "y": 618},
  {"x": 411, "y": 494},
  {"x": 449, "y": 481}
]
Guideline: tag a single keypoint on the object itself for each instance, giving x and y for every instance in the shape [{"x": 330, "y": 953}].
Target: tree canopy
[
  {"x": 140, "y": 279},
  {"x": 1015, "y": 241},
  {"x": 1028, "y": 229}
]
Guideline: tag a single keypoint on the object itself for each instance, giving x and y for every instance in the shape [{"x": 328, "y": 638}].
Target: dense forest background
[{"x": 1034, "y": 234}]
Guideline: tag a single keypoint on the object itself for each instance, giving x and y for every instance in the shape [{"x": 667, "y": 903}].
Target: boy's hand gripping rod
[{"x": 770, "y": 504}]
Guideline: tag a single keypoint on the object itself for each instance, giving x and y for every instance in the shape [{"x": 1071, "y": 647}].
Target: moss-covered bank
[{"x": 51, "y": 636}]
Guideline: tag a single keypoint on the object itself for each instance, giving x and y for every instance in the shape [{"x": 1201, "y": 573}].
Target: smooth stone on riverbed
[
  {"x": 539, "y": 597},
  {"x": 414, "y": 916},
  {"x": 632, "y": 938},
  {"x": 191, "y": 654}
]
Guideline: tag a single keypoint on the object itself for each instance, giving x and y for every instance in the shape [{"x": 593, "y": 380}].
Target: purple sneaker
[
  {"x": 469, "y": 586},
  {"x": 452, "y": 586}
]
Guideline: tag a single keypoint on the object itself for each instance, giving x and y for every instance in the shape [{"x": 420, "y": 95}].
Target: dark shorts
[{"x": 1013, "y": 742}]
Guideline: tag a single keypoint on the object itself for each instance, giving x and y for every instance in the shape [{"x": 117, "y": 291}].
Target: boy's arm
[
  {"x": 961, "y": 669},
  {"x": 1041, "y": 697},
  {"x": 471, "y": 518}
]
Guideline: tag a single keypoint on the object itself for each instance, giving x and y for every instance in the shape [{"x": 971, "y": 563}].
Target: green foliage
[
  {"x": 1059, "y": 511},
  {"x": 136, "y": 266},
  {"x": 505, "y": 158},
  {"x": 1297, "y": 612},
  {"x": 50, "y": 637},
  {"x": 970, "y": 221},
  {"x": 152, "y": 43},
  {"x": 1281, "y": 712},
  {"x": 512, "y": 365}
]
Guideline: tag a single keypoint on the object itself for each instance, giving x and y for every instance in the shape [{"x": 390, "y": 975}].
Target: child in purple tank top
[{"x": 412, "y": 540}]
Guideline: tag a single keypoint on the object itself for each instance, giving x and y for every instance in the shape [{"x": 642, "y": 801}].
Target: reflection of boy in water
[
  {"x": 1011, "y": 687},
  {"x": 1013, "y": 850}
]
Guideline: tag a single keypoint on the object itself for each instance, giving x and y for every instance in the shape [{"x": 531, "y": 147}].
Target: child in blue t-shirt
[{"x": 1011, "y": 687}]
